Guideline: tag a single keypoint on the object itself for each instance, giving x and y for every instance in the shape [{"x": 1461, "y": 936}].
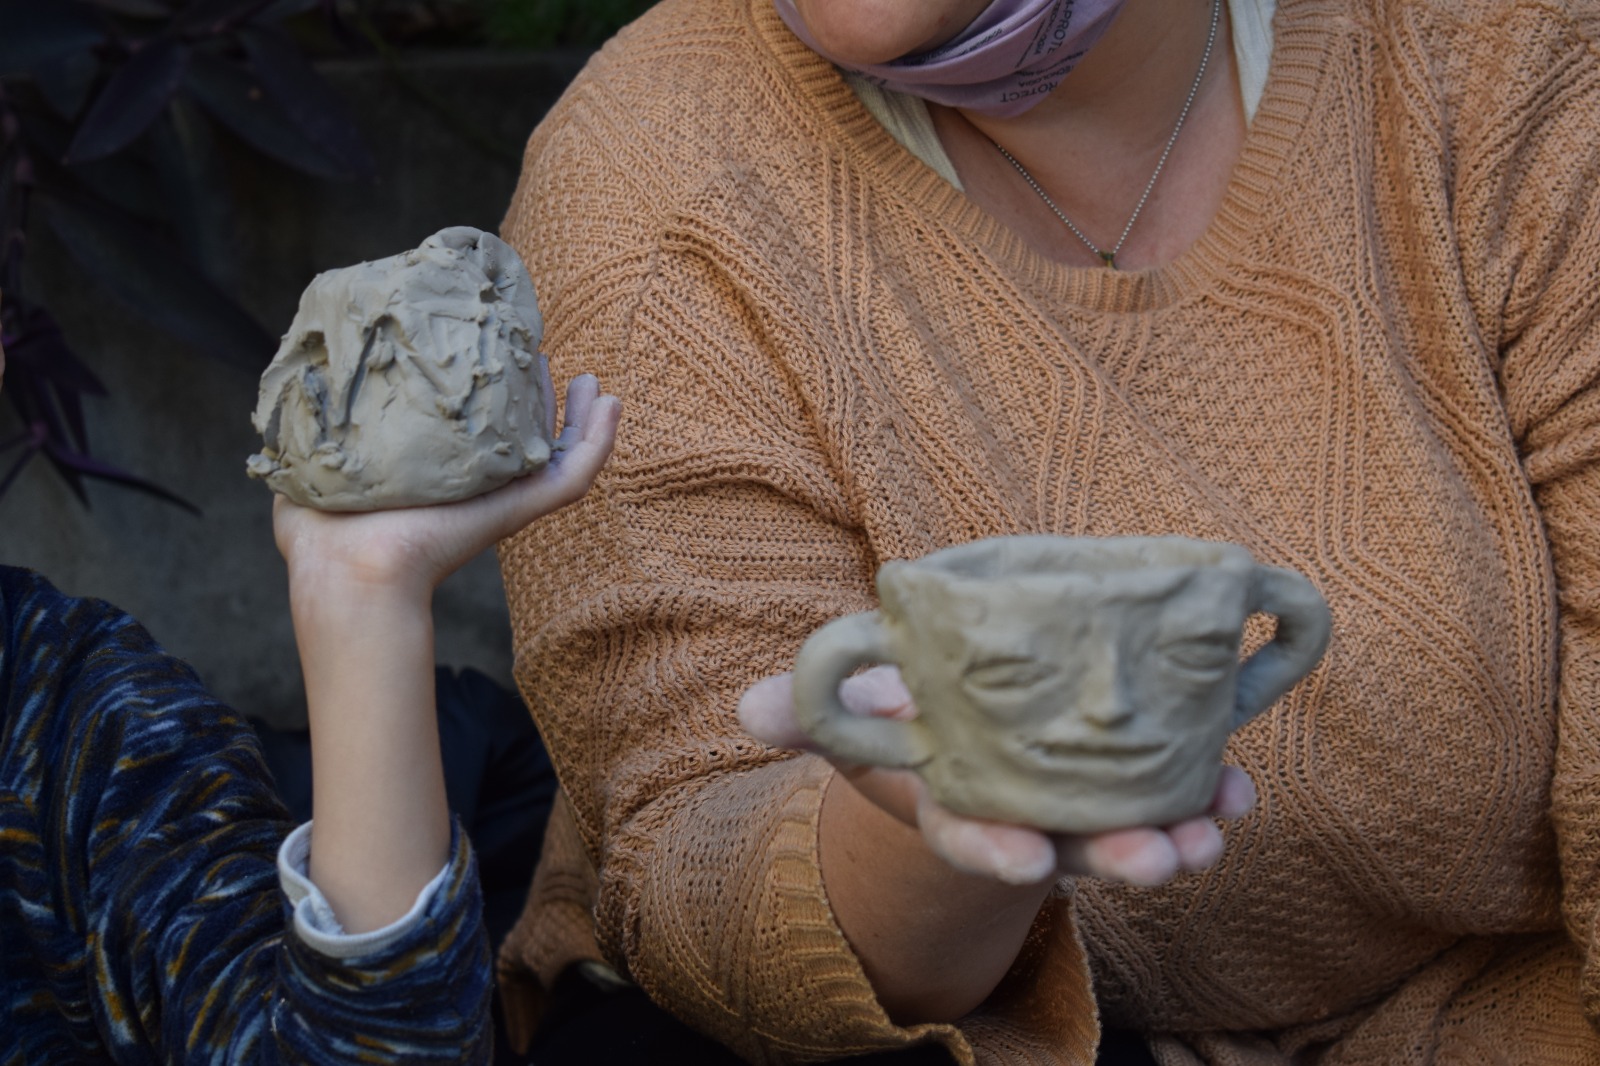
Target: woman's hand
[
  {"x": 417, "y": 547},
  {"x": 1013, "y": 854}
]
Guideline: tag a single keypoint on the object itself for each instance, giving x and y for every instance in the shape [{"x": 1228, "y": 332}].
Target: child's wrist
[{"x": 344, "y": 588}]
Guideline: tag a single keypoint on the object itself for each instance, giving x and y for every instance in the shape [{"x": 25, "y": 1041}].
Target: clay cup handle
[
  {"x": 1304, "y": 625},
  {"x": 829, "y": 656}
]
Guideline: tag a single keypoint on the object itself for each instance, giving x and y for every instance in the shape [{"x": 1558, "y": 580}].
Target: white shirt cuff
[{"x": 314, "y": 920}]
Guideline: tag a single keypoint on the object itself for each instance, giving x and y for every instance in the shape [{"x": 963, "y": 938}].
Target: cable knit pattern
[{"x": 1380, "y": 367}]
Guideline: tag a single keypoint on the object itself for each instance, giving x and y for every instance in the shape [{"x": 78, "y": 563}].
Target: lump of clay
[{"x": 410, "y": 380}]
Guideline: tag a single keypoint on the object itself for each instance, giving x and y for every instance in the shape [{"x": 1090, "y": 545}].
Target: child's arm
[{"x": 361, "y": 588}]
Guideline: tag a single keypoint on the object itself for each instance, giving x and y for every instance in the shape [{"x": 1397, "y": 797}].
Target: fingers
[
  {"x": 1014, "y": 854},
  {"x": 581, "y": 393},
  {"x": 1236, "y": 794},
  {"x": 583, "y": 448},
  {"x": 1198, "y": 843},
  {"x": 593, "y": 426},
  {"x": 879, "y": 693},
  {"x": 1150, "y": 856},
  {"x": 1142, "y": 856},
  {"x": 547, "y": 391},
  {"x": 1009, "y": 853},
  {"x": 766, "y": 711}
]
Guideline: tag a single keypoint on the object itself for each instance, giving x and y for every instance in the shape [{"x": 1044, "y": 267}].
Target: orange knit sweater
[{"x": 1379, "y": 367}]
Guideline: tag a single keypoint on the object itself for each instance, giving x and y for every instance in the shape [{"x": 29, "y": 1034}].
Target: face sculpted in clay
[
  {"x": 407, "y": 381},
  {"x": 1075, "y": 684}
]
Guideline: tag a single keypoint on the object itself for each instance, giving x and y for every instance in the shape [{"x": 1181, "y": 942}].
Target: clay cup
[{"x": 1074, "y": 684}]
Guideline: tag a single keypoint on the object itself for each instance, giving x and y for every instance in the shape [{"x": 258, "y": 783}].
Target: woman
[{"x": 1342, "y": 312}]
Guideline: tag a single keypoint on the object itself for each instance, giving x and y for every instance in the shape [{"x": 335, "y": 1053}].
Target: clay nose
[
  {"x": 1112, "y": 710},
  {"x": 1102, "y": 698}
]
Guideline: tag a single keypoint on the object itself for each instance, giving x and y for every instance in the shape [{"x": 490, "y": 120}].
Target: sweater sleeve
[
  {"x": 146, "y": 859},
  {"x": 1531, "y": 210},
  {"x": 715, "y": 540},
  {"x": 720, "y": 535}
]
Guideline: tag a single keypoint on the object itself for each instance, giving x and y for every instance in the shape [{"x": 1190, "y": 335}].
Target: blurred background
[{"x": 172, "y": 174}]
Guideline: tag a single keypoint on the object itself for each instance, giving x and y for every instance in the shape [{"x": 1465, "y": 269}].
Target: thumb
[
  {"x": 766, "y": 711},
  {"x": 879, "y": 693}
]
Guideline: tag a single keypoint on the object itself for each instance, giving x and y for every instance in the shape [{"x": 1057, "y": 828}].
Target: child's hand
[{"x": 416, "y": 548}]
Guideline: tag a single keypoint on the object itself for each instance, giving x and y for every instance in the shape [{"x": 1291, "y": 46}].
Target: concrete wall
[{"x": 212, "y": 588}]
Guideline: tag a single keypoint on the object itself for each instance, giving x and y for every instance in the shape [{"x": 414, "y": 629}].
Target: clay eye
[
  {"x": 1201, "y": 654},
  {"x": 1008, "y": 673}
]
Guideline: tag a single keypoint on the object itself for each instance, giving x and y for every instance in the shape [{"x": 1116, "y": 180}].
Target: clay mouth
[{"x": 1059, "y": 750}]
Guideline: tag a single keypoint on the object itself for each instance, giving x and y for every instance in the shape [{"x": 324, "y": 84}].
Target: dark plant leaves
[
  {"x": 32, "y": 437},
  {"x": 212, "y": 17},
  {"x": 131, "y": 100},
  {"x": 65, "y": 81},
  {"x": 45, "y": 134},
  {"x": 283, "y": 9},
  {"x": 72, "y": 412},
  {"x": 281, "y": 108},
  {"x": 73, "y": 479},
  {"x": 124, "y": 180},
  {"x": 37, "y": 403},
  {"x": 43, "y": 405},
  {"x": 48, "y": 397},
  {"x": 41, "y": 349},
  {"x": 69, "y": 463},
  {"x": 307, "y": 99},
  {"x": 148, "y": 9},
  {"x": 200, "y": 204},
  {"x": 16, "y": 468},
  {"x": 136, "y": 264},
  {"x": 38, "y": 31},
  {"x": 240, "y": 102},
  {"x": 44, "y": 367},
  {"x": 342, "y": 30}
]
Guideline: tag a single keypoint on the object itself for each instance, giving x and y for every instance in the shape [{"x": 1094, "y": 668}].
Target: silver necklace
[{"x": 1110, "y": 258}]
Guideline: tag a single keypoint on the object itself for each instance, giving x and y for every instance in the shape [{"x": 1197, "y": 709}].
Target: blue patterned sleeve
[
  {"x": 426, "y": 963},
  {"x": 139, "y": 883}
]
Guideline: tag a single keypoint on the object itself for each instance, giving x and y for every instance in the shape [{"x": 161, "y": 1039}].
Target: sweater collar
[{"x": 1303, "y": 38}]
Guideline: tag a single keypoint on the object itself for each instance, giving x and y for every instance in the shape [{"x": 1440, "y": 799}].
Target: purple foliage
[{"x": 105, "y": 80}]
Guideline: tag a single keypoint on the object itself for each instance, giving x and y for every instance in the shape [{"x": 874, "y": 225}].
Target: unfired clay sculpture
[
  {"x": 410, "y": 380},
  {"x": 1074, "y": 684}
]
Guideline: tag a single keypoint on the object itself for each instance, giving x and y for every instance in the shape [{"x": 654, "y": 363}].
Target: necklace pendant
[{"x": 1110, "y": 258}]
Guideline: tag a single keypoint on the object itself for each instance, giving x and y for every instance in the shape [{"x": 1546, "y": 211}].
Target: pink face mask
[{"x": 1005, "y": 62}]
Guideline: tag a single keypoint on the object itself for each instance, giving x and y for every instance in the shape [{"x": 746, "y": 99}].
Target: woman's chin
[{"x": 866, "y": 32}]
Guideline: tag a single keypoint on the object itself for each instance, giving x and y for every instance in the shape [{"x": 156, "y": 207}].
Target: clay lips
[{"x": 410, "y": 380}]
